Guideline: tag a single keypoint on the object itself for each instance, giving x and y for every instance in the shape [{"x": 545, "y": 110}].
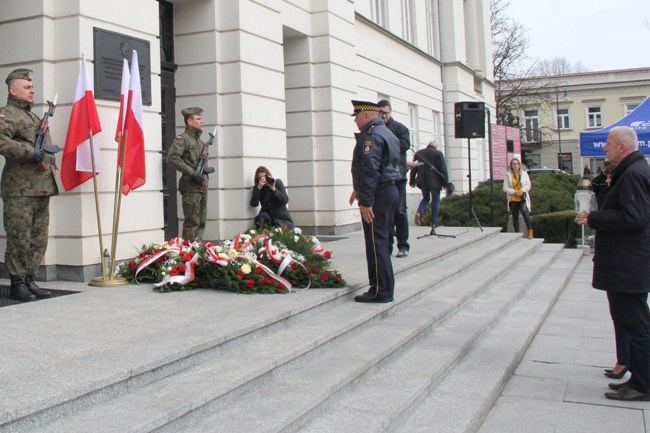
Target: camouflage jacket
[
  {"x": 22, "y": 177},
  {"x": 184, "y": 156}
]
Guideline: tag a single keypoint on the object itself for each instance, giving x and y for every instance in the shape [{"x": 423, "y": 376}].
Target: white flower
[
  {"x": 232, "y": 253},
  {"x": 297, "y": 231},
  {"x": 246, "y": 268},
  {"x": 295, "y": 238}
]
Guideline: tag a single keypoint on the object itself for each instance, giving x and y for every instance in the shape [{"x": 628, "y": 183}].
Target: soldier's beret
[
  {"x": 360, "y": 106},
  {"x": 22, "y": 73},
  {"x": 192, "y": 111}
]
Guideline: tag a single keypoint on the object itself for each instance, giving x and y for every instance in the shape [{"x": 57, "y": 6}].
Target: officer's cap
[
  {"x": 22, "y": 73},
  {"x": 192, "y": 111},
  {"x": 360, "y": 106}
]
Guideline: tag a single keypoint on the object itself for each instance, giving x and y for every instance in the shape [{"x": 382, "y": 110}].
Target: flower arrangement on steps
[{"x": 273, "y": 260}]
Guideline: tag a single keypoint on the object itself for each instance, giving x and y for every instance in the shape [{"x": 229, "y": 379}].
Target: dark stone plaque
[{"x": 110, "y": 50}]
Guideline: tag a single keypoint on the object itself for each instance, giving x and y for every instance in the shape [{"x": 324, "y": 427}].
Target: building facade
[
  {"x": 275, "y": 76},
  {"x": 573, "y": 103}
]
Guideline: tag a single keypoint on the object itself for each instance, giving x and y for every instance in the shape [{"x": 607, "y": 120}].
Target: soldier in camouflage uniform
[
  {"x": 27, "y": 185},
  {"x": 184, "y": 156}
]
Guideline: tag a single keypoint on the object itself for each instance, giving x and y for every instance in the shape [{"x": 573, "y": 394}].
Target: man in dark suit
[
  {"x": 622, "y": 257},
  {"x": 430, "y": 175},
  {"x": 401, "y": 218}
]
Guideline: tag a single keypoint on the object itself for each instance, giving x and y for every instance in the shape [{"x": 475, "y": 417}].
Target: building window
[
  {"x": 413, "y": 124},
  {"x": 432, "y": 27},
  {"x": 378, "y": 10},
  {"x": 562, "y": 119},
  {"x": 436, "y": 126},
  {"x": 531, "y": 126},
  {"x": 407, "y": 21},
  {"x": 594, "y": 117},
  {"x": 630, "y": 107}
]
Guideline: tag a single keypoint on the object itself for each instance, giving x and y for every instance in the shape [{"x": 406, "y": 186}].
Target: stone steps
[{"x": 289, "y": 371}]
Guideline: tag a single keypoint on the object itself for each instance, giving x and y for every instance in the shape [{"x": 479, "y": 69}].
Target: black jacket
[
  {"x": 622, "y": 257},
  {"x": 274, "y": 203},
  {"x": 375, "y": 160},
  {"x": 404, "y": 136},
  {"x": 425, "y": 175}
]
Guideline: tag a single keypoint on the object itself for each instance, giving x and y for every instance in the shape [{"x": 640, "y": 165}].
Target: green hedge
[{"x": 553, "y": 212}]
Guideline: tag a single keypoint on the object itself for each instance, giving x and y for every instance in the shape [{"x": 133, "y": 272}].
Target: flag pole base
[{"x": 108, "y": 282}]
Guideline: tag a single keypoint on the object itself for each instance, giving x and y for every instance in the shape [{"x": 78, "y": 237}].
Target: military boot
[
  {"x": 19, "y": 290},
  {"x": 40, "y": 293}
]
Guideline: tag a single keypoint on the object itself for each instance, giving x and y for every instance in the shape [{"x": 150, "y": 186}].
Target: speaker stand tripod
[
  {"x": 469, "y": 177},
  {"x": 433, "y": 233}
]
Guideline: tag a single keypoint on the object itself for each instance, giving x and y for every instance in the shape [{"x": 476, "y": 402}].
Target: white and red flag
[
  {"x": 77, "y": 166},
  {"x": 133, "y": 171},
  {"x": 124, "y": 96}
]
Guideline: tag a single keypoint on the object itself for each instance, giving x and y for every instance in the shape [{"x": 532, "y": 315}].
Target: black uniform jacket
[
  {"x": 375, "y": 160},
  {"x": 622, "y": 257}
]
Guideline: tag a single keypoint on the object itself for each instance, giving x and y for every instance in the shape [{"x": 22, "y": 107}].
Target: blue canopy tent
[{"x": 592, "y": 143}]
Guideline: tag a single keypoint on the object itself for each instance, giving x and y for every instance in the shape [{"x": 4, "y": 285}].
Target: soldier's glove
[
  {"x": 208, "y": 170},
  {"x": 197, "y": 178},
  {"x": 39, "y": 154}
]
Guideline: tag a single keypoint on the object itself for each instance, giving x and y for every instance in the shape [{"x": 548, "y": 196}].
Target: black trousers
[
  {"x": 377, "y": 236},
  {"x": 401, "y": 219},
  {"x": 630, "y": 312},
  {"x": 517, "y": 207}
]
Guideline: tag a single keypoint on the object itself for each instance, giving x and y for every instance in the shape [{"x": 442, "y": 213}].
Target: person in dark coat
[
  {"x": 430, "y": 175},
  {"x": 375, "y": 171},
  {"x": 271, "y": 195},
  {"x": 622, "y": 255},
  {"x": 600, "y": 184},
  {"x": 401, "y": 217}
]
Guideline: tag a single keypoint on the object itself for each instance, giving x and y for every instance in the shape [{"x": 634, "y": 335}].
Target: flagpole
[
  {"x": 111, "y": 279},
  {"x": 99, "y": 219},
  {"x": 118, "y": 200}
]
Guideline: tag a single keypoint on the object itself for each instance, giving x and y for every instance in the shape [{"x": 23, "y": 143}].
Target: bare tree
[
  {"x": 557, "y": 66},
  {"x": 515, "y": 85}
]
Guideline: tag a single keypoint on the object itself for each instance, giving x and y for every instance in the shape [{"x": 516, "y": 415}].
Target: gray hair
[
  {"x": 433, "y": 143},
  {"x": 625, "y": 134}
]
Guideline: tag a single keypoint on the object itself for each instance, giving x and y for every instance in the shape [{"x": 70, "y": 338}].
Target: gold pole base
[{"x": 107, "y": 282}]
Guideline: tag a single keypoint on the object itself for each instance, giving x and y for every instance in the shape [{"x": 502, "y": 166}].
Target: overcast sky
[{"x": 602, "y": 34}]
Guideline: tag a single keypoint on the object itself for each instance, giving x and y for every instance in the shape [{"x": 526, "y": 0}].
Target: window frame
[{"x": 597, "y": 117}]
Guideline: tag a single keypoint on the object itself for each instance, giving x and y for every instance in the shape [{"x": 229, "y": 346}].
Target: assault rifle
[
  {"x": 202, "y": 165},
  {"x": 40, "y": 147}
]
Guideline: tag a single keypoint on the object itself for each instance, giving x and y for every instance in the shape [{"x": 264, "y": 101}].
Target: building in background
[
  {"x": 275, "y": 76},
  {"x": 563, "y": 106}
]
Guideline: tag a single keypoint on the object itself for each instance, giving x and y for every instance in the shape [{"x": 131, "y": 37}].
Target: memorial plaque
[{"x": 110, "y": 50}]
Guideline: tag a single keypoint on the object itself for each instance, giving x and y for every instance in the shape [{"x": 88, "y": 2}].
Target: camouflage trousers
[
  {"x": 195, "y": 210},
  {"x": 26, "y": 221}
]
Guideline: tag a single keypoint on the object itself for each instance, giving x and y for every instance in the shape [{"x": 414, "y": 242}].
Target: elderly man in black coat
[{"x": 622, "y": 257}]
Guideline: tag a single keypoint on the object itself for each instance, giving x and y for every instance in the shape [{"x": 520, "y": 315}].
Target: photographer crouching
[{"x": 270, "y": 194}]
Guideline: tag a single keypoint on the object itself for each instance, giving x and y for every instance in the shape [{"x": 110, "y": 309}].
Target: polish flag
[
  {"x": 77, "y": 167},
  {"x": 134, "y": 171},
  {"x": 124, "y": 96}
]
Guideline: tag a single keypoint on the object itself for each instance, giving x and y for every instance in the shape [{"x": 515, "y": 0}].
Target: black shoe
[
  {"x": 371, "y": 298},
  {"x": 40, "y": 293},
  {"x": 19, "y": 291},
  {"x": 627, "y": 394},
  {"x": 616, "y": 376},
  {"x": 402, "y": 253},
  {"x": 619, "y": 386}
]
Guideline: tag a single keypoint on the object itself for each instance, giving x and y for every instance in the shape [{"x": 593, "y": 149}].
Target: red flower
[
  {"x": 241, "y": 274},
  {"x": 182, "y": 267},
  {"x": 293, "y": 265},
  {"x": 173, "y": 272},
  {"x": 266, "y": 280},
  {"x": 250, "y": 283},
  {"x": 187, "y": 257},
  {"x": 132, "y": 264},
  {"x": 339, "y": 278},
  {"x": 327, "y": 255},
  {"x": 259, "y": 270},
  {"x": 324, "y": 277}
]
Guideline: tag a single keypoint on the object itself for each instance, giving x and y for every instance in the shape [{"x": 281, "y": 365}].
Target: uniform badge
[{"x": 367, "y": 146}]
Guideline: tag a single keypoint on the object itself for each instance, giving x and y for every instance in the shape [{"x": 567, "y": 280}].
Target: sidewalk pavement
[{"x": 558, "y": 387}]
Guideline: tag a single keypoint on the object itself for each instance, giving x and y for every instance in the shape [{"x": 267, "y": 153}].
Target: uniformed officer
[
  {"x": 184, "y": 156},
  {"x": 27, "y": 185},
  {"x": 375, "y": 171}
]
